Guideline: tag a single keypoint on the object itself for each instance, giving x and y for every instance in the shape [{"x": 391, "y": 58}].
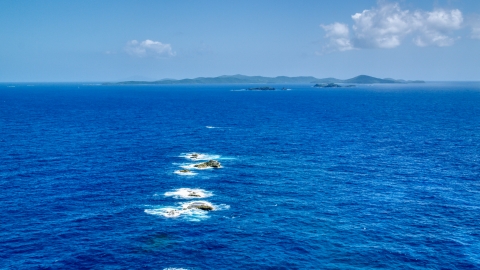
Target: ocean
[{"x": 375, "y": 176}]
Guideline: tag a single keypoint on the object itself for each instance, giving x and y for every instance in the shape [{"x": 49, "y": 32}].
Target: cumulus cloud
[
  {"x": 338, "y": 33},
  {"x": 149, "y": 48},
  {"x": 436, "y": 27},
  {"x": 388, "y": 25},
  {"x": 384, "y": 27}
]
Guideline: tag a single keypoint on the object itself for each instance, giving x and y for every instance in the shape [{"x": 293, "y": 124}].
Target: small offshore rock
[
  {"x": 328, "y": 85},
  {"x": 331, "y": 85},
  {"x": 172, "y": 213},
  {"x": 185, "y": 171},
  {"x": 210, "y": 163},
  {"x": 194, "y": 194},
  {"x": 200, "y": 205}
]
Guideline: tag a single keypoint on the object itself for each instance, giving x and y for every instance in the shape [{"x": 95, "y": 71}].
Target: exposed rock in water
[
  {"x": 210, "y": 163},
  {"x": 194, "y": 194},
  {"x": 262, "y": 88},
  {"x": 205, "y": 206},
  {"x": 184, "y": 171},
  {"x": 172, "y": 213},
  {"x": 194, "y": 155}
]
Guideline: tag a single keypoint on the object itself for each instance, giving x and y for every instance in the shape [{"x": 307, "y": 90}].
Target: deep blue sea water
[{"x": 377, "y": 176}]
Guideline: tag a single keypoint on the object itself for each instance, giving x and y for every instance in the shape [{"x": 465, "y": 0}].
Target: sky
[{"x": 98, "y": 41}]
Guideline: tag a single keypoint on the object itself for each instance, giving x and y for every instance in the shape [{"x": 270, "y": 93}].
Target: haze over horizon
[{"x": 58, "y": 41}]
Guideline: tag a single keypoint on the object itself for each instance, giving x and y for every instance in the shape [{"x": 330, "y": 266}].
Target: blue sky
[{"x": 67, "y": 41}]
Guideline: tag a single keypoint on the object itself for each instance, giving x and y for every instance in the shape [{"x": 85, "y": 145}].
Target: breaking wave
[
  {"x": 199, "y": 156},
  {"x": 188, "y": 211},
  {"x": 179, "y": 172},
  {"x": 189, "y": 193}
]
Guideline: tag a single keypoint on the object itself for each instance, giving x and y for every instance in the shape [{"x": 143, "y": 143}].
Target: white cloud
[
  {"x": 476, "y": 32},
  {"x": 387, "y": 25},
  {"x": 381, "y": 28},
  {"x": 475, "y": 24},
  {"x": 339, "y": 36},
  {"x": 149, "y": 48},
  {"x": 435, "y": 28}
]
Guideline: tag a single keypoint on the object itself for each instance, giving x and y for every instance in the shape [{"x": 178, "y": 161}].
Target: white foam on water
[
  {"x": 218, "y": 127},
  {"x": 200, "y": 156},
  {"x": 167, "y": 212},
  {"x": 179, "y": 172},
  {"x": 179, "y": 212},
  {"x": 221, "y": 207},
  {"x": 174, "y": 268},
  {"x": 187, "y": 211},
  {"x": 186, "y": 193},
  {"x": 192, "y": 167}
]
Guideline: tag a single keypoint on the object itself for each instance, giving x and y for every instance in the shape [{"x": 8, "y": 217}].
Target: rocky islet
[
  {"x": 186, "y": 193},
  {"x": 209, "y": 164}
]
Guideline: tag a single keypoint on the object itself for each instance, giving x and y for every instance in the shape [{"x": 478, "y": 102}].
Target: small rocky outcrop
[
  {"x": 172, "y": 213},
  {"x": 200, "y": 205},
  {"x": 193, "y": 194},
  {"x": 185, "y": 171},
  {"x": 194, "y": 155},
  {"x": 208, "y": 164},
  {"x": 331, "y": 85},
  {"x": 326, "y": 85},
  {"x": 266, "y": 88}
]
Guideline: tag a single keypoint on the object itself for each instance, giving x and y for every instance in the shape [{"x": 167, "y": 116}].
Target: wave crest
[{"x": 188, "y": 193}]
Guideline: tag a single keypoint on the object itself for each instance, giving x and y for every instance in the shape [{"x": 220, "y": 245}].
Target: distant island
[
  {"x": 242, "y": 79},
  {"x": 266, "y": 88},
  {"x": 331, "y": 85}
]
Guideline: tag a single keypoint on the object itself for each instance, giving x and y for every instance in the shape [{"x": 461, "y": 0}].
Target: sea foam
[
  {"x": 179, "y": 212},
  {"x": 199, "y": 156},
  {"x": 188, "y": 193},
  {"x": 188, "y": 210},
  {"x": 179, "y": 172}
]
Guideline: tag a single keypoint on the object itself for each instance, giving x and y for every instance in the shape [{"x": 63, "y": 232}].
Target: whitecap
[
  {"x": 221, "y": 207},
  {"x": 179, "y": 172},
  {"x": 199, "y": 156},
  {"x": 189, "y": 193},
  {"x": 179, "y": 212},
  {"x": 188, "y": 211},
  {"x": 167, "y": 212},
  {"x": 218, "y": 127},
  {"x": 192, "y": 167}
]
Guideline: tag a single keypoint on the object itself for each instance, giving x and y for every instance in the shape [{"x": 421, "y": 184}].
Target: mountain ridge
[{"x": 243, "y": 79}]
